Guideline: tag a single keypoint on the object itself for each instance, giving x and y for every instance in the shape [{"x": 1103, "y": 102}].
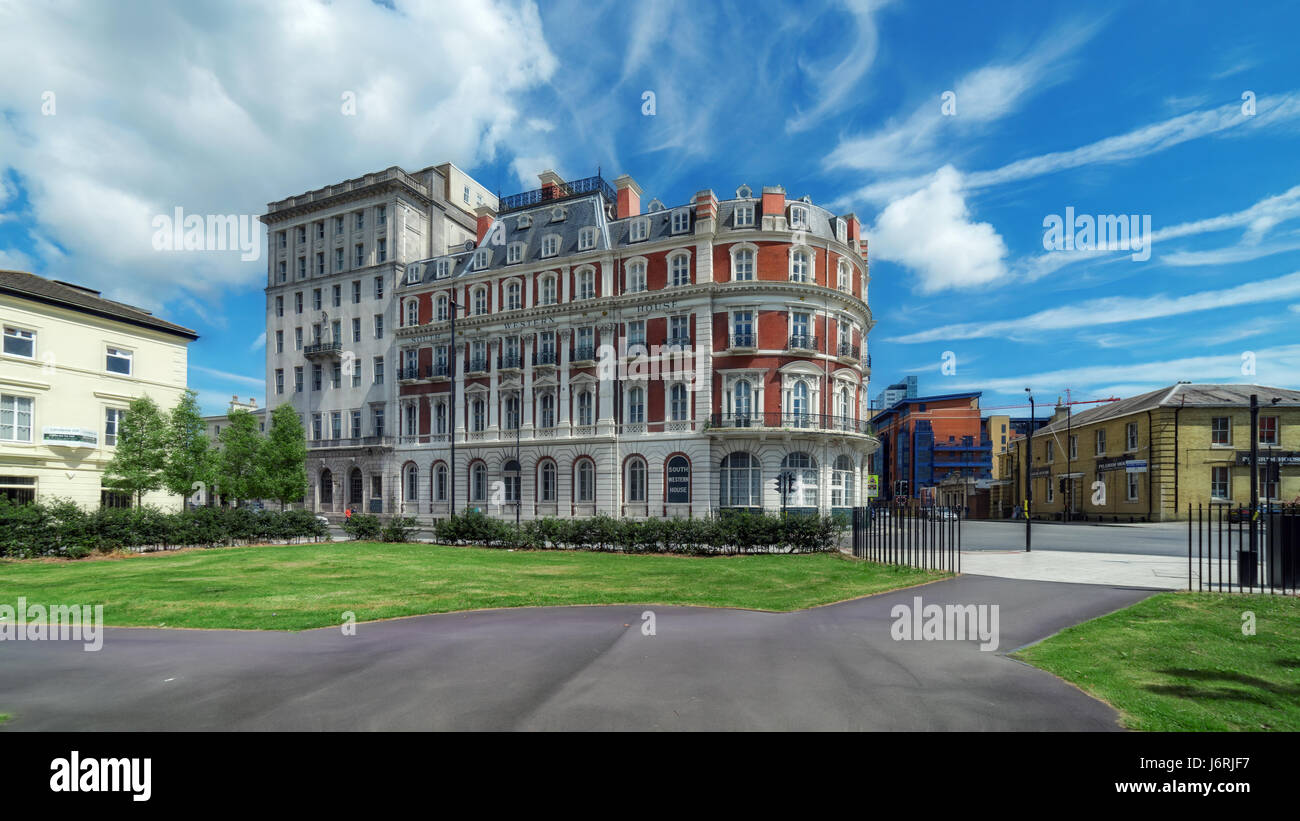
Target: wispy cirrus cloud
[{"x": 835, "y": 83}]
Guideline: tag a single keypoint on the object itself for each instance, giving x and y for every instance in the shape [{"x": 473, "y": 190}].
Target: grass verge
[
  {"x": 295, "y": 587},
  {"x": 1180, "y": 661}
]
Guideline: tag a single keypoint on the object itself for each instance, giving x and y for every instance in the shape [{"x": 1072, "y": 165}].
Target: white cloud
[
  {"x": 930, "y": 231},
  {"x": 1113, "y": 310},
  {"x": 835, "y": 83},
  {"x": 260, "y": 342},
  {"x": 251, "y": 381},
  {"x": 222, "y": 109}
]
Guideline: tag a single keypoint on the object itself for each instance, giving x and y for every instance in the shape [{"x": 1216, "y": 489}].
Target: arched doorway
[
  {"x": 325, "y": 496},
  {"x": 355, "y": 489}
]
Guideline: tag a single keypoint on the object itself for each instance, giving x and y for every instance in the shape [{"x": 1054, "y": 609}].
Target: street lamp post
[
  {"x": 453, "y": 306},
  {"x": 1029, "y": 466}
]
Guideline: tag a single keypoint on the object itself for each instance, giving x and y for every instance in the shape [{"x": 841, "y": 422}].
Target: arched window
[
  {"x": 742, "y": 401},
  {"x": 842, "y": 276},
  {"x": 804, "y": 468},
  {"x": 548, "y": 290},
  {"x": 441, "y": 304},
  {"x": 514, "y": 297},
  {"x": 512, "y": 412},
  {"x": 742, "y": 264},
  {"x": 584, "y": 481},
  {"x": 635, "y": 276},
  {"x": 677, "y": 402},
  {"x": 799, "y": 265},
  {"x": 326, "y": 487},
  {"x": 478, "y": 415},
  {"x": 548, "y": 410},
  {"x": 636, "y": 404},
  {"x": 440, "y": 482},
  {"x": 799, "y": 406},
  {"x": 546, "y": 481},
  {"x": 478, "y": 482},
  {"x": 846, "y": 407},
  {"x": 412, "y": 483},
  {"x": 680, "y": 270},
  {"x": 584, "y": 408},
  {"x": 480, "y": 301},
  {"x": 412, "y": 312},
  {"x": 842, "y": 482},
  {"x": 510, "y": 478},
  {"x": 634, "y": 480},
  {"x": 440, "y": 417},
  {"x": 741, "y": 482},
  {"x": 586, "y": 283}
]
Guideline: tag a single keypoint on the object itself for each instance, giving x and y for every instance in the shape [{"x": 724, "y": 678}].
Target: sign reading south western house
[
  {"x": 69, "y": 437},
  {"x": 678, "y": 491}
]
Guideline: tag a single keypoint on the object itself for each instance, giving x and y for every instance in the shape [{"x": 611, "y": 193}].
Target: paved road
[
  {"x": 576, "y": 668},
  {"x": 1153, "y": 539}
]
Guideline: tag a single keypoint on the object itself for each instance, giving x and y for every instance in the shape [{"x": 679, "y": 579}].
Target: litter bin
[{"x": 1283, "y": 544}]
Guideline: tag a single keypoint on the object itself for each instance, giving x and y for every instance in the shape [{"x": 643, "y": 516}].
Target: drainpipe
[{"x": 1151, "y": 463}]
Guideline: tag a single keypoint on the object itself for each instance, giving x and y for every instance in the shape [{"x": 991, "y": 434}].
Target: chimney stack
[
  {"x": 629, "y": 197},
  {"x": 552, "y": 185},
  {"x": 485, "y": 219}
]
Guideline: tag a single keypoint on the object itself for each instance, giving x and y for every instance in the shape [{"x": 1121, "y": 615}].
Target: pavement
[
  {"x": 577, "y": 668},
  {"x": 1146, "y": 539}
]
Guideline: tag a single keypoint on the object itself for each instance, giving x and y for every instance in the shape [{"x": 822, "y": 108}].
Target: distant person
[{"x": 347, "y": 515}]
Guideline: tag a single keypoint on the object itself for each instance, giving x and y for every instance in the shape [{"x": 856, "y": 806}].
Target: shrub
[
  {"x": 363, "y": 527},
  {"x": 400, "y": 529}
]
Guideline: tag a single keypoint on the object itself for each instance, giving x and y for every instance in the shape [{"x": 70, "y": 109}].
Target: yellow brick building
[{"x": 1147, "y": 457}]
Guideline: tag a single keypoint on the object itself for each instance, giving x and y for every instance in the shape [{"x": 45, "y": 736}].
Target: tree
[
  {"x": 284, "y": 456},
  {"x": 240, "y": 473},
  {"x": 190, "y": 457},
  {"x": 138, "y": 459}
]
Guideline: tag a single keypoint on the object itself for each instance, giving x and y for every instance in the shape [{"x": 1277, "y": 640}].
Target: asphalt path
[
  {"x": 1151, "y": 539},
  {"x": 576, "y": 668}
]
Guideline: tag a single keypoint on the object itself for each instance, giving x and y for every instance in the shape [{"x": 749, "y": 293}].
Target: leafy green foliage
[
  {"x": 241, "y": 474},
  {"x": 140, "y": 453},
  {"x": 61, "y": 528},
  {"x": 284, "y": 457},
  {"x": 363, "y": 527},
  {"x": 189, "y": 456}
]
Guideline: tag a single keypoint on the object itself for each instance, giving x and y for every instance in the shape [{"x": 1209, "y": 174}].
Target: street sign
[{"x": 873, "y": 486}]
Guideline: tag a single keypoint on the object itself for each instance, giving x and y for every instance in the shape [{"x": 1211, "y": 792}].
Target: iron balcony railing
[
  {"x": 350, "y": 442},
  {"x": 743, "y": 340},
  {"x": 848, "y": 349},
  {"x": 802, "y": 342},
  {"x": 478, "y": 364},
  {"x": 509, "y": 360},
  {"x": 683, "y": 341},
  {"x": 545, "y": 357},
  {"x": 413, "y": 372},
  {"x": 323, "y": 347},
  {"x": 583, "y": 353},
  {"x": 555, "y": 193},
  {"x": 440, "y": 369},
  {"x": 786, "y": 420}
]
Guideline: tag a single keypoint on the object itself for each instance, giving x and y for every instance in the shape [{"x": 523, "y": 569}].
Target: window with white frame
[
  {"x": 742, "y": 328},
  {"x": 442, "y": 268},
  {"x": 799, "y": 265},
  {"x": 15, "y": 418},
  {"x": 681, "y": 221},
  {"x": 548, "y": 290},
  {"x": 742, "y": 263},
  {"x": 743, "y": 216},
  {"x": 635, "y": 334},
  {"x": 478, "y": 415},
  {"x": 478, "y": 482},
  {"x": 741, "y": 400},
  {"x": 546, "y": 483},
  {"x": 1220, "y": 482},
  {"x": 799, "y": 217},
  {"x": 1131, "y": 436},
  {"x": 841, "y": 230},
  {"x": 842, "y": 276},
  {"x": 586, "y": 283},
  {"x": 741, "y": 481},
  {"x": 412, "y": 312},
  {"x": 638, "y": 229},
  {"x": 480, "y": 301},
  {"x": 636, "y": 404},
  {"x": 804, "y": 468},
  {"x": 514, "y": 296},
  {"x": 636, "y": 276},
  {"x": 585, "y": 481},
  {"x": 842, "y": 484},
  {"x": 20, "y": 342},
  {"x": 1221, "y": 431},
  {"x": 1133, "y": 486},
  {"x": 1101, "y": 442},
  {"x": 558, "y": 214},
  {"x": 679, "y": 269},
  {"x": 677, "y": 405},
  {"x": 550, "y": 245},
  {"x": 440, "y": 307},
  {"x": 635, "y": 481},
  {"x": 1268, "y": 430},
  {"x": 482, "y": 257},
  {"x": 524, "y": 221},
  {"x": 585, "y": 406},
  {"x": 546, "y": 418},
  {"x": 113, "y": 424},
  {"x": 118, "y": 360},
  {"x": 514, "y": 253},
  {"x": 586, "y": 239}
]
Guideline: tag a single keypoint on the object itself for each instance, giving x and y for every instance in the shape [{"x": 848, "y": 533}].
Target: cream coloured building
[{"x": 71, "y": 362}]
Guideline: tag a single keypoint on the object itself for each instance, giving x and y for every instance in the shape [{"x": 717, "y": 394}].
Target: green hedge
[
  {"x": 725, "y": 535},
  {"x": 61, "y": 528}
]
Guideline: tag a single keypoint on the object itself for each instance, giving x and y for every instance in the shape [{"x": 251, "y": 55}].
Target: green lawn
[
  {"x": 295, "y": 587},
  {"x": 1179, "y": 661}
]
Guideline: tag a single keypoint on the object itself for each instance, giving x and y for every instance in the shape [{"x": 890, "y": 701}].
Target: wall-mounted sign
[
  {"x": 530, "y": 323},
  {"x": 873, "y": 486},
  {"x": 1040, "y": 473},
  {"x": 69, "y": 437},
  {"x": 678, "y": 487},
  {"x": 1286, "y": 458}
]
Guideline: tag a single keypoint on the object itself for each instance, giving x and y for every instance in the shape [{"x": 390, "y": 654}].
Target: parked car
[{"x": 1241, "y": 513}]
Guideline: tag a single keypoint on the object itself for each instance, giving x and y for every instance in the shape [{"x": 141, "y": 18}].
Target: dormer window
[
  {"x": 413, "y": 274},
  {"x": 799, "y": 217},
  {"x": 442, "y": 268},
  {"x": 681, "y": 221},
  {"x": 841, "y": 230},
  {"x": 557, "y": 214},
  {"x": 639, "y": 229},
  {"x": 586, "y": 239},
  {"x": 514, "y": 253},
  {"x": 743, "y": 216},
  {"x": 525, "y": 221},
  {"x": 550, "y": 245},
  {"x": 482, "y": 257}
]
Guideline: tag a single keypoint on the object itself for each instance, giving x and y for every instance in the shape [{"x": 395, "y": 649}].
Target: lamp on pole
[
  {"x": 453, "y": 306},
  {"x": 1029, "y": 465}
]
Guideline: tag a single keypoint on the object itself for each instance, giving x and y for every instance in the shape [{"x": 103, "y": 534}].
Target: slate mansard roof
[
  {"x": 592, "y": 211},
  {"x": 85, "y": 300}
]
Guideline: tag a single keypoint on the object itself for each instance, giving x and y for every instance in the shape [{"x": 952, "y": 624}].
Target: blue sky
[{"x": 1108, "y": 109}]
